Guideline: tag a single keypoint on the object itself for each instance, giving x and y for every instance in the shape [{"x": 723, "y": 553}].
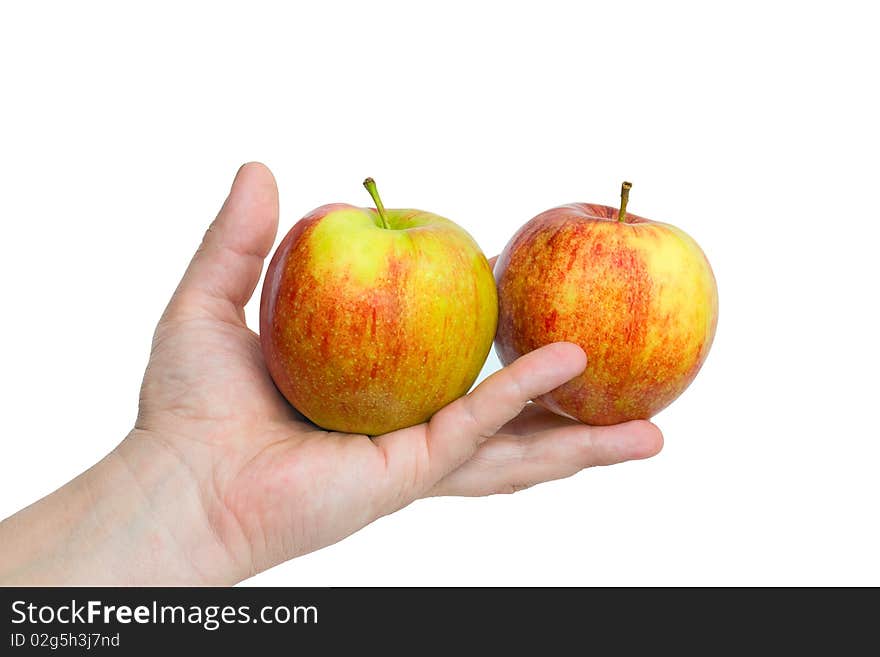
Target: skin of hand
[{"x": 221, "y": 478}]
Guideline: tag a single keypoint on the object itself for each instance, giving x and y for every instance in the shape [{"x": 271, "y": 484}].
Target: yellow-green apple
[
  {"x": 637, "y": 295},
  {"x": 372, "y": 320}
]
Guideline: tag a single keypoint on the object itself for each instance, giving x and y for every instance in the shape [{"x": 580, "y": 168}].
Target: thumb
[{"x": 226, "y": 268}]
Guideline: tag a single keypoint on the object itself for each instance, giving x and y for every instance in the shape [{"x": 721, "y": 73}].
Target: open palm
[{"x": 269, "y": 484}]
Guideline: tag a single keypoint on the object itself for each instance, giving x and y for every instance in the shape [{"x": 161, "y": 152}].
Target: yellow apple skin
[
  {"x": 367, "y": 329},
  {"x": 638, "y": 296}
]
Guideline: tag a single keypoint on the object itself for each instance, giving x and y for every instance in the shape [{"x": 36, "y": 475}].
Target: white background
[{"x": 753, "y": 128}]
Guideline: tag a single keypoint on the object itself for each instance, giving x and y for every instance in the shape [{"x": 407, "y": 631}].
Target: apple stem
[
  {"x": 624, "y": 199},
  {"x": 370, "y": 184}
]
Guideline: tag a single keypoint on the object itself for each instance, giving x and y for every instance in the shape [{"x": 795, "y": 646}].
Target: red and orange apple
[
  {"x": 637, "y": 295},
  {"x": 372, "y": 320}
]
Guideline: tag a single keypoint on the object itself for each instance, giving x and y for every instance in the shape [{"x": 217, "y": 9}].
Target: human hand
[{"x": 231, "y": 480}]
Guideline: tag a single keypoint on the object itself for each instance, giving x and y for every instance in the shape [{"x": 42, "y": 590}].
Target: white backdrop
[{"x": 754, "y": 129}]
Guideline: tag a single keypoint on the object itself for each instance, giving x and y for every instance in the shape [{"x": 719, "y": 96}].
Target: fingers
[
  {"x": 226, "y": 268},
  {"x": 506, "y": 464},
  {"x": 457, "y": 430},
  {"x": 535, "y": 418}
]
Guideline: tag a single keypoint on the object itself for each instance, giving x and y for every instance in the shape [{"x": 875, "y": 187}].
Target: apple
[
  {"x": 372, "y": 320},
  {"x": 638, "y": 296}
]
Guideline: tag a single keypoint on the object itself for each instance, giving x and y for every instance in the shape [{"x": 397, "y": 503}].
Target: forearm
[{"x": 114, "y": 527}]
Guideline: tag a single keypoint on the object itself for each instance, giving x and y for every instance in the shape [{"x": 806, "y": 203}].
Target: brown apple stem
[
  {"x": 624, "y": 199},
  {"x": 370, "y": 184}
]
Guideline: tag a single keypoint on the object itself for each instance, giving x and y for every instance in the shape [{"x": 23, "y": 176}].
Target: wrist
[{"x": 136, "y": 517}]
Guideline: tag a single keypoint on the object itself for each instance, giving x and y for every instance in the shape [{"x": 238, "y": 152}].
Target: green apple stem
[
  {"x": 370, "y": 184},
  {"x": 624, "y": 199}
]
